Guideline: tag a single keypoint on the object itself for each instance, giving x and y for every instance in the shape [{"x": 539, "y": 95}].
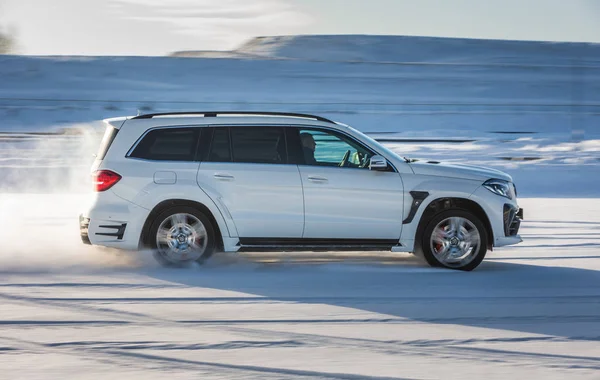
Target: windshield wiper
[{"x": 409, "y": 160}]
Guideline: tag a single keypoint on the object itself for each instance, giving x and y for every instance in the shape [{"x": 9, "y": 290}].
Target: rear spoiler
[{"x": 116, "y": 122}]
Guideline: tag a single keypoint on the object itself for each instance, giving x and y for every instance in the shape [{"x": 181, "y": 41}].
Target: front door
[{"x": 343, "y": 198}]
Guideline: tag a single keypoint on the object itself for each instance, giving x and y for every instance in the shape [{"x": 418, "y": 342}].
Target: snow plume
[
  {"x": 44, "y": 184},
  {"x": 48, "y": 162}
]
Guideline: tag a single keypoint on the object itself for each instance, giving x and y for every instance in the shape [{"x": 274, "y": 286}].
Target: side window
[
  {"x": 168, "y": 144},
  {"x": 220, "y": 149},
  {"x": 261, "y": 145},
  {"x": 327, "y": 148}
]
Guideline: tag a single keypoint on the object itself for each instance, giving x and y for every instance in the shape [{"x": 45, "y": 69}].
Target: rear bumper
[
  {"x": 111, "y": 221},
  {"x": 84, "y": 224},
  {"x": 114, "y": 230}
]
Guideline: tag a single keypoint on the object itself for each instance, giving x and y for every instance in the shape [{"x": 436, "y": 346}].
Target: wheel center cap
[
  {"x": 181, "y": 238},
  {"x": 454, "y": 241}
]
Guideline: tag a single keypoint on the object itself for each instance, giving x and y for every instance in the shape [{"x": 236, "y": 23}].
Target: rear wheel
[
  {"x": 454, "y": 239},
  {"x": 180, "y": 236}
]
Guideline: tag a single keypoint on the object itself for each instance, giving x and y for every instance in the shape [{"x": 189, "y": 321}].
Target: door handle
[
  {"x": 224, "y": 177},
  {"x": 317, "y": 179}
]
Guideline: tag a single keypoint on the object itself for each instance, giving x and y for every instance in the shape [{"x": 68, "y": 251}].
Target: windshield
[{"x": 379, "y": 146}]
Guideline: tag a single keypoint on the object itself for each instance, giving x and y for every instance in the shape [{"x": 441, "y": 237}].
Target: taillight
[{"x": 105, "y": 179}]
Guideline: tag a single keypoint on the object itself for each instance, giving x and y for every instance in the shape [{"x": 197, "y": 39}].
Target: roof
[
  {"x": 233, "y": 113},
  {"x": 226, "y": 117}
]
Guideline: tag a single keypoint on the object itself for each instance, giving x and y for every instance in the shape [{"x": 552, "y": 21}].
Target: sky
[{"x": 158, "y": 27}]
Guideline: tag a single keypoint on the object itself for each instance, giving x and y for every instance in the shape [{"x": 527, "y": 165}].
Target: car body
[{"x": 233, "y": 181}]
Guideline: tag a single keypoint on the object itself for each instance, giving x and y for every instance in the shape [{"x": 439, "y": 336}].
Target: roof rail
[{"x": 241, "y": 113}]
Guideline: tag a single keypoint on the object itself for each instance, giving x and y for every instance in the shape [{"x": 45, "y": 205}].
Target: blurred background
[{"x": 513, "y": 85}]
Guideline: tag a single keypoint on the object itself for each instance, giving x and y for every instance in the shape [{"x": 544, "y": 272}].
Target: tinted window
[
  {"x": 327, "y": 148},
  {"x": 220, "y": 150},
  {"x": 168, "y": 144},
  {"x": 263, "y": 145}
]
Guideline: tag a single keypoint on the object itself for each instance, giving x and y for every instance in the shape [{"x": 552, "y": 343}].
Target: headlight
[{"x": 500, "y": 187}]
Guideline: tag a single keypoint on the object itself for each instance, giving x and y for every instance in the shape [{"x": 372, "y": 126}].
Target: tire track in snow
[
  {"x": 454, "y": 349},
  {"x": 119, "y": 357}
]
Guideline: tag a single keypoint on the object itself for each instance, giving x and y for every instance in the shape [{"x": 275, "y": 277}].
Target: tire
[
  {"x": 186, "y": 236},
  {"x": 441, "y": 246}
]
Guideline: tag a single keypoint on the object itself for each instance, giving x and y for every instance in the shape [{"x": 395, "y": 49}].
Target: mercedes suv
[{"x": 188, "y": 185}]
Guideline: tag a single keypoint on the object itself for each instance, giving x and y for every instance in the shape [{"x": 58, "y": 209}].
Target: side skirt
[{"x": 315, "y": 245}]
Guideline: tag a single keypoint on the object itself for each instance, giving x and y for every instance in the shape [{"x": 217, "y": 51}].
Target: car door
[
  {"x": 343, "y": 198},
  {"x": 162, "y": 163},
  {"x": 246, "y": 169}
]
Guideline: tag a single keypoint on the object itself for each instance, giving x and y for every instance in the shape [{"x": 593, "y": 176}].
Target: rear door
[{"x": 246, "y": 169}]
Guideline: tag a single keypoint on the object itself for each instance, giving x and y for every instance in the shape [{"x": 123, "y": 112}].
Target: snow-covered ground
[
  {"x": 529, "y": 311},
  {"x": 71, "y": 311}
]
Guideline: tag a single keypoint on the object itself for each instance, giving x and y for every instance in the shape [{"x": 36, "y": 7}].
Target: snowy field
[
  {"x": 70, "y": 311},
  {"x": 530, "y": 311},
  {"x": 530, "y": 108}
]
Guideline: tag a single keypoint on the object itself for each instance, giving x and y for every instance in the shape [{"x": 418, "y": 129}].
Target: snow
[
  {"x": 529, "y": 311},
  {"x": 529, "y": 108},
  {"x": 402, "y": 49}
]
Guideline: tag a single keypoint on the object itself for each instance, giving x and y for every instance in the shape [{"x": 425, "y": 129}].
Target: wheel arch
[
  {"x": 170, "y": 203},
  {"x": 448, "y": 203}
]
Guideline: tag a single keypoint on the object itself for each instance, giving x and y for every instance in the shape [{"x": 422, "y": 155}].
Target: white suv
[{"x": 188, "y": 185}]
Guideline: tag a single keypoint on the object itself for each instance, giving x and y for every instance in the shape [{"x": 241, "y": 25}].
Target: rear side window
[
  {"x": 261, "y": 145},
  {"x": 109, "y": 136},
  {"x": 168, "y": 144}
]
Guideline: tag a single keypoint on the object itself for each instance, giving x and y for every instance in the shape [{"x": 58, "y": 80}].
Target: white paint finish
[
  {"x": 165, "y": 178},
  {"x": 264, "y": 200},
  {"x": 116, "y": 122},
  {"x": 286, "y": 201},
  {"x": 351, "y": 203},
  {"x": 437, "y": 187},
  {"x": 107, "y": 208},
  {"x": 493, "y": 205},
  {"x": 458, "y": 171},
  {"x": 137, "y": 188}
]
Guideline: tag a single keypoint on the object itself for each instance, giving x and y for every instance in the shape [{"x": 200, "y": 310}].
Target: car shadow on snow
[{"x": 550, "y": 300}]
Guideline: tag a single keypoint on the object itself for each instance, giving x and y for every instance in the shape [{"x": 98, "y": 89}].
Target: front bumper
[
  {"x": 512, "y": 217},
  {"x": 505, "y": 216}
]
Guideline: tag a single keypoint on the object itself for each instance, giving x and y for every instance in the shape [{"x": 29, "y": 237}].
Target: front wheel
[
  {"x": 454, "y": 239},
  {"x": 180, "y": 236}
]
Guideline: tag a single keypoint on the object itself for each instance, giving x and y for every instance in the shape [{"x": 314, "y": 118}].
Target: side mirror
[{"x": 378, "y": 163}]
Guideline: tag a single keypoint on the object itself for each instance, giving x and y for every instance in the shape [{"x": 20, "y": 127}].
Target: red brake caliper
[{"x": 438, "y": 246}]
